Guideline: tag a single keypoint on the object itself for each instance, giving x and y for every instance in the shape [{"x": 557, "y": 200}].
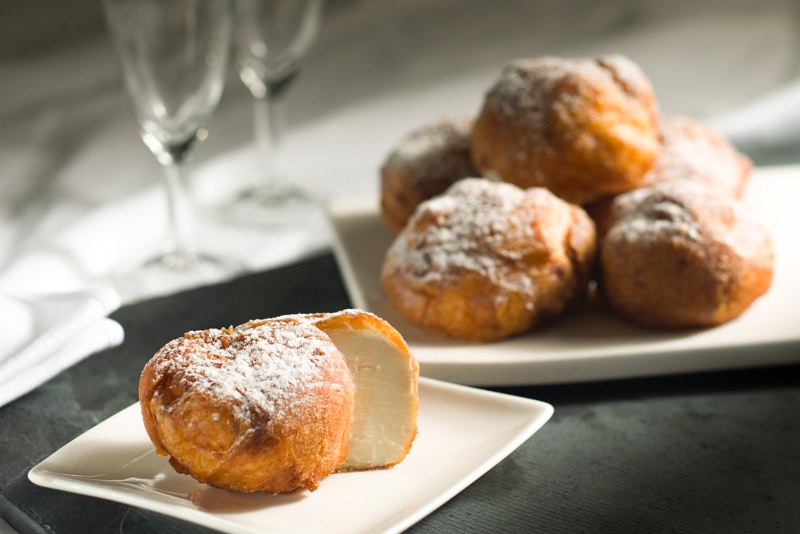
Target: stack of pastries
[{"x": 569, "y": 178}]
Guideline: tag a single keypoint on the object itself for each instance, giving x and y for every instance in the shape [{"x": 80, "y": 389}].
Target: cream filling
[{"x": 385, "y": 407}]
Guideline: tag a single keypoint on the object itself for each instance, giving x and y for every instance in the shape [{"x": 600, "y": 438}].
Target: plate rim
[{"x": 536, "y": 414}]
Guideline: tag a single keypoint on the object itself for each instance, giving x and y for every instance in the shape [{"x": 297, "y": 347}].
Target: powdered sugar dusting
[
  {"x": 267, "y": 369},
  {"x": 523, "y": 90},
  {"x": 688, "y": 211},
  {"x": 627, "y": 74},
  {"x": 583, "y": 128},
  {"x": 432, "y": 138},
  {"x": 436, "y": 152},
  {"x": 480, "y": 226},
  {"x": 672, "y": 220},
  {"x": 527, "y": 87}
]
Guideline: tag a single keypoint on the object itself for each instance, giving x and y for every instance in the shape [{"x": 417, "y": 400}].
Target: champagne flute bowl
[
  {"x": 173, "y": 56},
  {"x": 272, "y": 38}
]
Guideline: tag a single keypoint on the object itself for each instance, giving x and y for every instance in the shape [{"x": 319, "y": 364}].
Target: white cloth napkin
[
  {"x": 45, "y": 334},
  {"x": 101, "y": 245}
]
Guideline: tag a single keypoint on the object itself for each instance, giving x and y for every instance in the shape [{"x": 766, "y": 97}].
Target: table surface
[
  {"x": 714, "y": 452},
  {"x": 710, "y": 452}
]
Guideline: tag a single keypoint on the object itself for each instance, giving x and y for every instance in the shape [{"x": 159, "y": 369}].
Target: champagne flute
[
  {"x": 272, "y": 39},
  {"x": 173, "y": 56}
]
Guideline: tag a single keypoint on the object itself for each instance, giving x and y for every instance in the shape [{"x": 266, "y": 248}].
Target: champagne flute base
[
  {"x": 172, "y": 272},
  {"x": 274, "y": 205}
]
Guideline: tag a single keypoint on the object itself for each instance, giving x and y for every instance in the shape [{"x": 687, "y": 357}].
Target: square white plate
[
  {"x": 593, "y": 344},
  {"x": 463, "y": 432}
]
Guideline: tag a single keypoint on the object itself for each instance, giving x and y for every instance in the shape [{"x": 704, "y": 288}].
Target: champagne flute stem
[
  {"x": 180, "y": 232},
  {"x": 270, "y": 123}
]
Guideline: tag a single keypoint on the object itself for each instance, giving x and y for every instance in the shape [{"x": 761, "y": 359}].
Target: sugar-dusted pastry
[
  {"x": 276, "y": 405},
  {"x": 487, "y": 260},
  {"x": 263, "y": 407},
  {"x": 692, "y": 151},
  {"x": 681, "y": 255},
  {"x": 583, "y": 128},
  {"x": 425, "y": 163}
]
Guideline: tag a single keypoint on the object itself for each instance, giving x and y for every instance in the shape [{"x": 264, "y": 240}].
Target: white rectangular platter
[{"x": 594, "y": 344}]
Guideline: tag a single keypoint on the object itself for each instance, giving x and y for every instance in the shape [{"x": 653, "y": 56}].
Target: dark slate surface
[{"x": 715, "y": 452}]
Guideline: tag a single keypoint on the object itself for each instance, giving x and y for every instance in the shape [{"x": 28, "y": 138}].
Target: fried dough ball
[
  {"x": 692, "y": 151},
  {"x": 582, "y": 128},
  {"x": 424, "y": 164},
  {"x": 487, "y": 260},
  {"x": 264, "y": 407},
  {"x": 682, "y": 255}
]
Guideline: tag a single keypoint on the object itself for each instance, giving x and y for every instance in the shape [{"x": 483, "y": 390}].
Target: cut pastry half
[{"x": 385, "y": 374}]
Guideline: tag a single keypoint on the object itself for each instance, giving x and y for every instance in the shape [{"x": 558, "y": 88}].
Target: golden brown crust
[
  {"x": 690, "y": 152},
  {"x": 424, "y": 164},
  {"x": 264, "y": 407},
  {"x": 579, "y": 127},
  {"x": 683, "y": 255},
  {"x": 488, "y": 260}
]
